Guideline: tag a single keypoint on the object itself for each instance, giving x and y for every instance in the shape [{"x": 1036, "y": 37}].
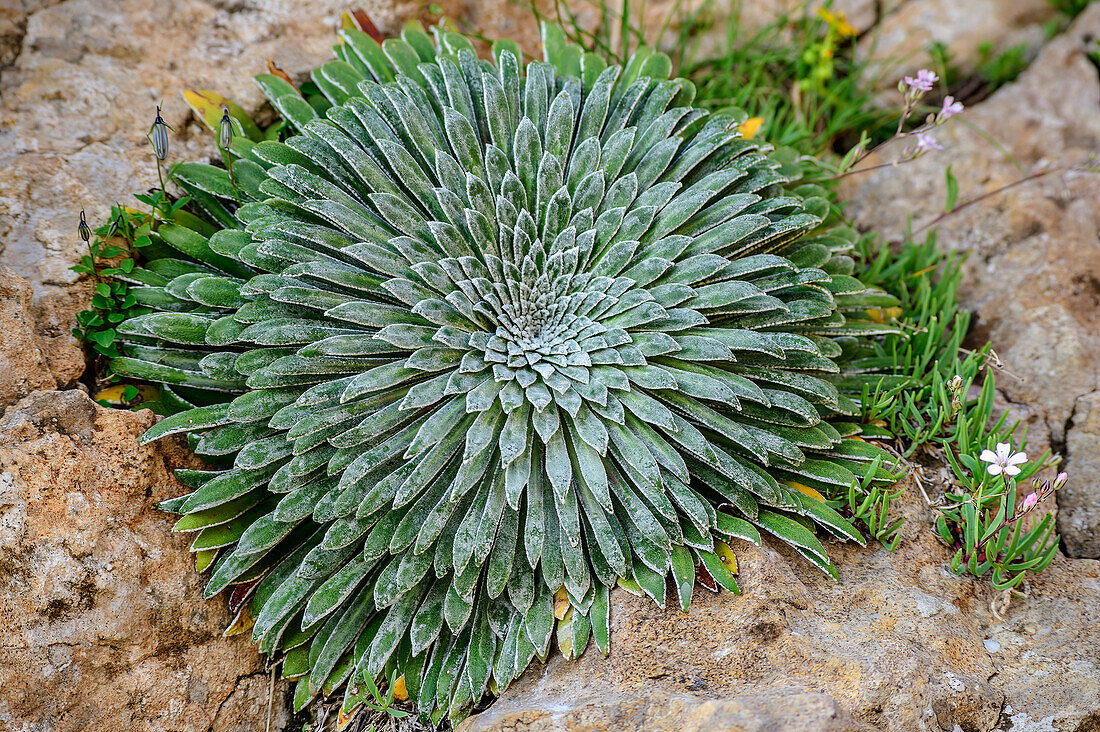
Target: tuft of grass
[{"x": 912, "y": 399}]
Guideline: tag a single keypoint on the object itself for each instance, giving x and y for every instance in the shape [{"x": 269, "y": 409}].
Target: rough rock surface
[
  {"x": 24, "y": 365},
  {"x": 904, "y": 30},
  {"x": 898, "y": 644},
  {"x": 1033, "y": 274},
  {"x": 105, "y": 626}
]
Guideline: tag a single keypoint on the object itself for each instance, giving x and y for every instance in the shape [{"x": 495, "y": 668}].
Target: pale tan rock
[
  {"x": 24, "y": 364},
  {"x": 105, "y": 625},
  {"x": 1033, "y": 273},
  {"x": 1079, "y": 502},
  {"x": 900, "y": 40}
]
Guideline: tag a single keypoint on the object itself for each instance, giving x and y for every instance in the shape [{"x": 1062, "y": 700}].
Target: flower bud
[
  {"x": 113, "y": 228},
  {"x": 225, "y": 130},
  {"x": 82, "y": 228},
  {"x": 1030, "y": 501},
  {"x": 160, "y": 137},
  {"x": 1060, "y": 480}
]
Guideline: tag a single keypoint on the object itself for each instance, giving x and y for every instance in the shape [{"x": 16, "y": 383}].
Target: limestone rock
[
  {"x": 1033, "y": 274},
  {"x": 898, "y": 644},
  {"x": 1079, "y": 519},
  {"x": 24, "y": 365},
  {"x": 105, "y": 623},
  {"x": 906, "y": 28}
]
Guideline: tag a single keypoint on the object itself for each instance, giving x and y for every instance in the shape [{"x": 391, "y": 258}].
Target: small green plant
[
  {"x": 112, "y": 302},
  {"x": 998, "y": 68},
  {"x": 912, "y": 399},
  {"x": 1070, "y": 8},
  {"x": 377, "y": 707},
  {"x": 991, "y": 534},
  {"x": 868, "y": 505}
]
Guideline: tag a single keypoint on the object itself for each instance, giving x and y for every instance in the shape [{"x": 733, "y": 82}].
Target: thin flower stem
[
  {"x": 1005, "y": 521},
  {"x": 978, "y": 199},
  {"x": 850, "y": 172},
  {"x": 163, "y": 190}
]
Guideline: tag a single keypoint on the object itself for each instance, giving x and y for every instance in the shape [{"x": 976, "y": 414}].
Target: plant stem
[
  {"x": 978, "y": 199},
  {"x": 163, "y": 191}
]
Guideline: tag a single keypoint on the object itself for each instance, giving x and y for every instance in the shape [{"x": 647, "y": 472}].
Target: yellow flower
[
  {"x": 838, "y": 22},
  {"x": 750, "y": 127}
]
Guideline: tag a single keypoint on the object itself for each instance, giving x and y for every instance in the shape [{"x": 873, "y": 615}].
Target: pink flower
[
  {"x": 923, "y": 81},
  {"x": 1030, "y": 501},
  {"x": 1003, "y": 460},
  {"x": 926, "y": 142},
  {"x": 950, "y": 109}
]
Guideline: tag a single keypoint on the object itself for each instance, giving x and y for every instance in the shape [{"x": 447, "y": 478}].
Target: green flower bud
[
  {"x": 82, "y": 228},
  {"x": 225, "y": 130},
  {"x": 159, "y": 137}
]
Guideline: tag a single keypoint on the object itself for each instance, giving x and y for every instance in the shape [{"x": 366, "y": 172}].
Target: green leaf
[{"x": 952, "y": 190}]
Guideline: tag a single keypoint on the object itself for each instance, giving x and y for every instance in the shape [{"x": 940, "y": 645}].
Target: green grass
[
  {"x": 798, "y": 73},
  {"x": 912, "y": 399}
]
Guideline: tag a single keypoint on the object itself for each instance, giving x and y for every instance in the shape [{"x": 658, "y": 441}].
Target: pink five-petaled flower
[
  {"x": 950, "y": 109},
  {"x": 923, "y": 81},
  {"x": 1030, "y": 501},
  {"x": 1003, "y": 460},
  {"x": 926, "y": 142}
]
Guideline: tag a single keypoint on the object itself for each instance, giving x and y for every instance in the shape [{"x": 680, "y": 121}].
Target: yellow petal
[
  {"x": 805, "y": 490},
  {"x": 750, "y": 127},
  {"x": 400, "y": 693},
  {"x": 561, "y": 603},
  {"x": 722, "y": 549}
]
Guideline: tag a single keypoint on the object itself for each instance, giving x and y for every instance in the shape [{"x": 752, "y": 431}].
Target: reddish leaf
[
  {"x": 241, "y": 593},
  {"x": 366, "y": 24},
  {"x": 704, "y": 578}
]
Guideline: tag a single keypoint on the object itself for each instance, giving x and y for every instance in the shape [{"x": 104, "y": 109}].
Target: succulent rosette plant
[{"x": 477, "y": 341}]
